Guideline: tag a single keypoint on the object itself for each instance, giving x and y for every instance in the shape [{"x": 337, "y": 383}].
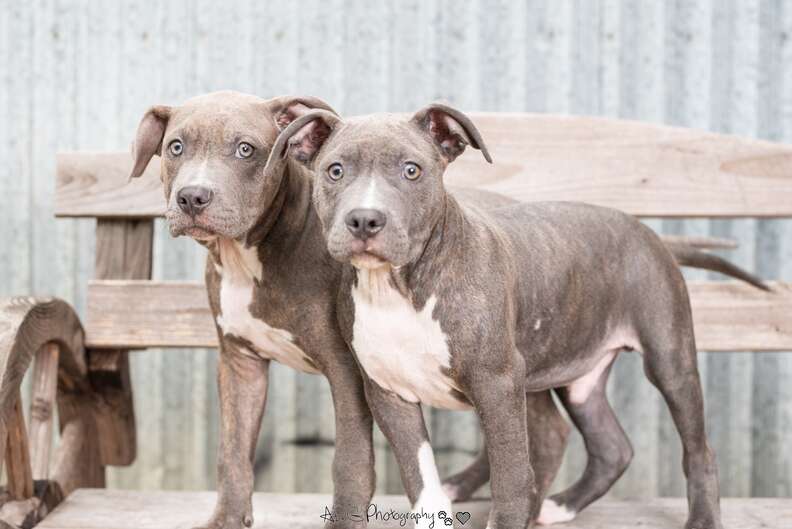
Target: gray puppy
[
  {"x": 272, "y": 289},
  {"x": 455, "y": 306}
]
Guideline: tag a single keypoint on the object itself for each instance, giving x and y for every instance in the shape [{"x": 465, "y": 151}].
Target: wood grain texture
[
  {"x": 641, "y": 168},
  {"x": 27, "y": 325},
  {"x": 20, "y": 476},
  {"x": 729, "y": 316},
  {"x": 108, "y": 509},
  {"x": 123, "y": 251},
  {"x": 42, "y": 408},
  {"x": 78, "y": 461},
  {"x": 3, "y": 443},
  {"x": 96, "y": 185},
  {"x": 140, "y": 314}
]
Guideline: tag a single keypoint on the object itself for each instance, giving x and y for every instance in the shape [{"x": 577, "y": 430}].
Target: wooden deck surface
[{"x": 116, "y": 509}]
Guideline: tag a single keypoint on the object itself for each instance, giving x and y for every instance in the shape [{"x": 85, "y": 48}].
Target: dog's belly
[
  {"x": 401, "y": 349},
  {"x": 581, "y": 370}
]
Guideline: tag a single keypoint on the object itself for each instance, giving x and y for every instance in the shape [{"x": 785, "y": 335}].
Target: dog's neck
[
  {"x": 441, "y": 248},
  {"x": 288, "y": 212},
  {"x": 282, "y": 223}
]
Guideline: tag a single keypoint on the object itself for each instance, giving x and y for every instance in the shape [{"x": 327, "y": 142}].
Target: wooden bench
[{"x": 83, "y": 367}]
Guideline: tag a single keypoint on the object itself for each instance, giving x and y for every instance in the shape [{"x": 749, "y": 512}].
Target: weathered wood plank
[
  {"x": 42, "y": 409},
  {"x": 78, "y": 461},
  {"x": 3, "y": 442},
  {"x": 20, "y": 477},
  {"x": 26, "y": 325},
  {"x": 138, "y": 314},
  {"x": 115, "y": 509},
  {"x": 642, "y": 168},
  {"x": 95, "y": 185},
  {"x": 123, "y": 251},
  {"x": 729, "y": 316}
]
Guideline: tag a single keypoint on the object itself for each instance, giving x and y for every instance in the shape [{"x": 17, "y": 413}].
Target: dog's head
[
  {"x": 379, "y": 179},
  {"x": 214, "y": 149}
]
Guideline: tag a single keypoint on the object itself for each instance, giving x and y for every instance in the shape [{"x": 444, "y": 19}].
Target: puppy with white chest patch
[
  {"x": 272, "y": 288},
  {"x": 452, "y": 305},
  {"x": 270, "y": 283}
]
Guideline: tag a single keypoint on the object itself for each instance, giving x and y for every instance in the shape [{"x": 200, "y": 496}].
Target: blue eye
[
  {"x": 335, "y": 172},
  {"x": 176, "y": 147},
  {"x": 245, "y": 150}
]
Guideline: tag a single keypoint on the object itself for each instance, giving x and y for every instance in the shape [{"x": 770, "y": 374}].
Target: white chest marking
[
  {"x": 432, "y": 500},
  {"x": 403, "y": 350},
  {"x": 240, "y": 268}
]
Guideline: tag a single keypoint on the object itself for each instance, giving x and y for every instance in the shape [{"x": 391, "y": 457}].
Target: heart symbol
[{"x": 463, "y": 517}]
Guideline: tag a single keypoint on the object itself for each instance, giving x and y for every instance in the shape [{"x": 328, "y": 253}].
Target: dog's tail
[
  {"x": 687, "y": 254},
  {"x": 702, "y": 243}
]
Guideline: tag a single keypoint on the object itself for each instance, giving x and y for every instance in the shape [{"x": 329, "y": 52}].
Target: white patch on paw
[
  {"x": 433, "y": 498},
  {"x": 554, "y": 513},
  {"x": 452, "y": 491}
]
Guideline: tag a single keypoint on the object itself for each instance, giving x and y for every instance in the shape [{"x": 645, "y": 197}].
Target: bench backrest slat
[
  {"x": 644, "y": 169},
  {"x": 729, "y": 316}
]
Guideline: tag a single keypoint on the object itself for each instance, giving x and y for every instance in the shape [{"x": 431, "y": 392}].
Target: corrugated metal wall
[{"x": 79, "y": 74}]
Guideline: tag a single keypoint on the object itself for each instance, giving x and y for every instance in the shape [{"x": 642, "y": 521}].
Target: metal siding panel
[
  {"x": 782, "y": 40},
  {"x": 635, "y": 401}
]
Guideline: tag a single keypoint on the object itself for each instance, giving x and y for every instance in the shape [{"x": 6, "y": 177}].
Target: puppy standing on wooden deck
[
  {"x": 457, "y": 307},
  {"x": 272, "y": 289}
]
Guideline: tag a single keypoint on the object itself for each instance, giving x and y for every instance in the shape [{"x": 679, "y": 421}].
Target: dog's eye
[
  {"x": 411, "y": 171},
  {"x": 176, "y": 147},
  {"x": 244, "y": 150},
  {"x": 335, "y": 171}
]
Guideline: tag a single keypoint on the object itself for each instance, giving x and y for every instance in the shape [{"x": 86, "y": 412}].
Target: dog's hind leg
[
  {"x": 608, "y": 448},
  {"x": 670, "y": 364},
  {"x": 548, "y": 431},
  {"x": 462, "y": 485}
]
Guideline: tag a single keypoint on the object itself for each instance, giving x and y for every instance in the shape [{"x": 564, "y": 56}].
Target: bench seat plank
[
  {"x": 644, "y": 169},
  {"x": 116, "y": 509},
  {"x": 729, "y": 316}
]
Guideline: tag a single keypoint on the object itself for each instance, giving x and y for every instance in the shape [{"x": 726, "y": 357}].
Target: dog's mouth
[
  {"x": 199, "y": 233},
  {"x": 364, "y": 254},
  {"x": 368, "y": 261},
  {"x": 192, "y": 229}
]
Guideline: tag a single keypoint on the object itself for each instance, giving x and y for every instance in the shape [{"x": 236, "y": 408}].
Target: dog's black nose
[
  {"x": 192, "y": 199},
  {"x": 365, "y": 223}
]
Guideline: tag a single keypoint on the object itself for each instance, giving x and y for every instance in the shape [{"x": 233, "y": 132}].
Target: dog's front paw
[
  {"x": 553, "y": 512},
  {"x": 223, "y": 520},
  {"x": 703, "y": 522},
  {"x": 457, "y": 490},
  {"x": 462, "y": 486}
]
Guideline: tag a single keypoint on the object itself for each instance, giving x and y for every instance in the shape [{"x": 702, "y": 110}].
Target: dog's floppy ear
[
  {"x": 304, "y": 136},
  {"x": 148, "y": 140},
  {"x": 286, "y": 109},
  {"x": 451, "y": 130}
]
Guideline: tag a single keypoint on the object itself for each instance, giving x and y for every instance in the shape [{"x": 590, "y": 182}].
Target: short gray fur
[
  {"x": 529, "y": 297},
  {"x": 226, "y": 199}
]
